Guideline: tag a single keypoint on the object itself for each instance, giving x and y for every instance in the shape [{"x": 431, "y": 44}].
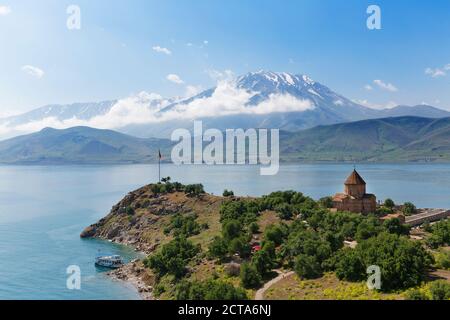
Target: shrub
[
  {"x": 416, "y": 294},
  {"x": 194, "y": 190},
  {"x": 211, "y": 289},
  {"x": 184, "y": 225},
  {"x": 159, "y": 290},
  {"x": 129, "y": 211},
  {"x": 443, "y": 260},
  {"x": 228, "y": 193},
  {"x": 440, "y": 290}
]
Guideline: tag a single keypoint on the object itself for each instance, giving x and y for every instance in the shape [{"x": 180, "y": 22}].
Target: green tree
[
  {"x": 350, "y": 265},
  {"x": 218, "y": 248},
  {"x": 254, "y": 228},
  {"x": 194, "y": 190},
  {"x": 389, "y": 203},
  {"x": 231, "y": 229},
  {"x": 368, "y": 228},
  {"x": 307, "y": 267},
  {"x": 250, "y": 277},
  {"x": 285, "y": 211},
  {"x": 173, "y": 257},
  {"x": 326, "y": 202},
  {"x": 240, "y": 246},
  {"x": 440, "y": 234},
  {"x": 275, "y": 233},
  {"x": 395, "y": 226},
  {"x": 403, "y": 262},
  {"x": 409, "y": 209},
  {"x": 263, "y": 262},
  {"x": 228, "y": 193}
]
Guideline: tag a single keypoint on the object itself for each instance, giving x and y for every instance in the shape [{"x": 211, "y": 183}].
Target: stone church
[{"x": 355, "y": 199}]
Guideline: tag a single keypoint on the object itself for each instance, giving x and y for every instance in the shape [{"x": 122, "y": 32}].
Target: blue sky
[{"x": 123, "y": 48}]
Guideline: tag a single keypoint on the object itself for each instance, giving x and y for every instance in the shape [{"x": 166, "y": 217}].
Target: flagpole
[{"x": 159, "y": 166}]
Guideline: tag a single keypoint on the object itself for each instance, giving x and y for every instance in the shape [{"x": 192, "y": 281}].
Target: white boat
[{"x": 112, "y": 262}]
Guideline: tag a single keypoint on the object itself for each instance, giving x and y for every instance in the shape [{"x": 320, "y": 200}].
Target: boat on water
[{"x": 112, "y": 262}]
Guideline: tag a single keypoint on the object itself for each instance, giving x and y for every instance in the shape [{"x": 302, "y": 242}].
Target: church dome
[{"x": 355, "y": 179}]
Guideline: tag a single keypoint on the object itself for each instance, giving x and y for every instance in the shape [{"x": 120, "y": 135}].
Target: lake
[{"x": 44, "y": 209}]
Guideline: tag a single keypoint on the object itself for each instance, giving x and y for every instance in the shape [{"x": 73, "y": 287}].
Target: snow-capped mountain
[{"x": 255, "y": 100}]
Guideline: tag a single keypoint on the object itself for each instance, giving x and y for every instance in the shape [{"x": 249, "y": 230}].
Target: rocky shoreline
[
  {"x": 133, "y": 273},
  {"x": 140, "y": 220}
]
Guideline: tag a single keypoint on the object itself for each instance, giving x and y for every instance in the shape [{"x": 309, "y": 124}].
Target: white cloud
[
  {"x": 206, "y": 42},
  {"x": 435, "y": 73},
  {"x": 438, "y": 72},
  {"x": 193, "y": 90},
  {"x": 145, "y": 108},
  {"x": 368, "y": 87},
  {"x": 5, "y": 10},
  {"x": 174, "y": 78},
  {"x": 189, "y": 44},
  {"x": 385, "y": 86},
  {"x": 218, "y": 75},
  {"x": 227, "y": 99},
  {"x": 162, "y": 50},
  {"x": 368, "y": 104},
  {"x": 33, "y": 71}
]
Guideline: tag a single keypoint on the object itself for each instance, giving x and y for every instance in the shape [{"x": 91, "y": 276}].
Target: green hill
[
  {"x": 390, "y": 139},
  {"x": 380, "y": 140},
  {"x": 80, "y": 145}
]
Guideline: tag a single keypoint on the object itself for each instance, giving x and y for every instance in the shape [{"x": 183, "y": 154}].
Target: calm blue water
[{"x": 44, "y": 209}]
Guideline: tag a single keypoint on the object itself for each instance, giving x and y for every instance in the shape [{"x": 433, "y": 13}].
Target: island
[{"x": 284, "y": 245}]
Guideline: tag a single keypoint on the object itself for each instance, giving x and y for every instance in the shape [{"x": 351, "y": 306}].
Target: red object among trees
[{"x": 256, "y": 248}]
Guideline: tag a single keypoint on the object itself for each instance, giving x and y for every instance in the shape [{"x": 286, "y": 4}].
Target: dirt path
[
  {"x": 260, "y": 293},
  {"x": 441, "y": 275}
]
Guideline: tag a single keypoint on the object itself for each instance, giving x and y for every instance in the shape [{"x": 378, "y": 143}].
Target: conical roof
[{"x": 355, "y": 179}]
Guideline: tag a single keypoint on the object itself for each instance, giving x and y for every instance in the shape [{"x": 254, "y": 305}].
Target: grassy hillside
[
  {"x": 390, "y": 139},
  {"x": 406, "y": 139},
  {"x": 79, "y": 145},
  {"x": 202, "y": 246}
]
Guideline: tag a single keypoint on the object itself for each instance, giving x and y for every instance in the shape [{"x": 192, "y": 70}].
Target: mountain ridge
[
  {"x": 252, "y": 99},
  {"x": 394, "y": 139}
]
